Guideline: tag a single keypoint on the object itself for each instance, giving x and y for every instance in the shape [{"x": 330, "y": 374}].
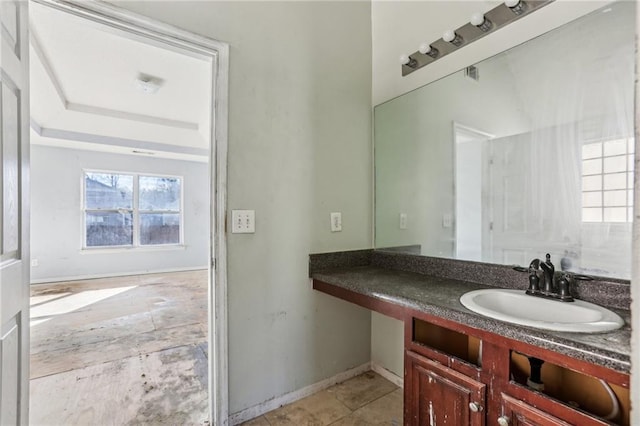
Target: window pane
[
  {"x": 615, "y": 181},
  {"x": 592, "y": 150},
  {"x": 630, "y": 199},
  {"x": 109, "y": 229},
  {"x": 630, "y": 180},
  {"x": 615, "y": 198},
  {"x": 159, "y": 228},
  {"x": 631, "y": 145},
  {"x": 630, "y": 213},
  {"x": 159, "y": 193},
  {"x": 615, "y": 164},
  {"x": 592, "y": 215},
  {"x": 592, "y": 199},
  {"x": 615, "y": 214},
  {"x": 630, "y": 160},
  {"x": 616, "y": 147},
  {"x": 108, "y": 191},
  {"x": 592, "y": 183},
  {"x": 592, "y": 167}
]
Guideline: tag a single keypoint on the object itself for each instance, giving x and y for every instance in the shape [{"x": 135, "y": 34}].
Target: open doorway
[{"x": 124, "y": 228}]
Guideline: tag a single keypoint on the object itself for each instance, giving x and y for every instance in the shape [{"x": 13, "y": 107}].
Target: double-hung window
[{"x": 131, "y": 210}]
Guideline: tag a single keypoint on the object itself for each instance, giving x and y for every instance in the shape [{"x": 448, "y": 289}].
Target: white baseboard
[
  {"x": 272, "y": 404},
  {"x": 398, "y": 381},
  {"x": 114, "y": 274}
]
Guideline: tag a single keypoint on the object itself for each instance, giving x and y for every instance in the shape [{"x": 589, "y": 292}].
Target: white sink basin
[{"x": 516, "y": 307}]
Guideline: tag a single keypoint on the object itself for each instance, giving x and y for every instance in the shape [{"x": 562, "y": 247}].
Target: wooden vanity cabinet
[
  {"x": 453, "y": 377},
  {"x": 458, "y": 375}
]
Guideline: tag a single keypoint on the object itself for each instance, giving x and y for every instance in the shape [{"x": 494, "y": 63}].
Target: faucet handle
[
  {"x": 581, "y": 277},
  {"x": 564, "y": 287},
  {"x": 535, "y": 264},
  {"x": 534, "y": 279}
]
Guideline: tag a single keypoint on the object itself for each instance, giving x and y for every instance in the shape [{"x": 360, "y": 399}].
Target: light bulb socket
[
  {"x": 453, "y": 38},
  {"x": 485, "y": 26},
  {"x": 518, "y": 8},
  {"x": 427, "y": 49},
  {"x": 408, "y": 61}
]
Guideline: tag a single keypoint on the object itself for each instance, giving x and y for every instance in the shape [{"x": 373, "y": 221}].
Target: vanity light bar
[{"x": 498, "y": 17}]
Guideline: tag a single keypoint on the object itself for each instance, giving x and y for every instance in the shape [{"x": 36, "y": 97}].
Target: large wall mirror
[{"x": 525, "y": 153}]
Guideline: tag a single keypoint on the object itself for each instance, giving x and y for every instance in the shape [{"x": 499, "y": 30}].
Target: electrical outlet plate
[
  {"x": 403, "y": 221},
  {"x": 336, "y": 222},
  {"x": 447, "y": 220},
  {"x": 243, "y": 221}
]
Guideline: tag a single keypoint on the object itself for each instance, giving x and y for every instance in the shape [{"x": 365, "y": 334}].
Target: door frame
[{"x": 139, "y": 26}]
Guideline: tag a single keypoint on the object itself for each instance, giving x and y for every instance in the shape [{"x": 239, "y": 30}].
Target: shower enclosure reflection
[{"x": 534, "y": 156}]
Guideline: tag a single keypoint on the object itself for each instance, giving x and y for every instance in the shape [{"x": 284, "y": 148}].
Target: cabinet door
[
  {"x": 518, "y": 413},
  {"x": 438, "y": 395}
]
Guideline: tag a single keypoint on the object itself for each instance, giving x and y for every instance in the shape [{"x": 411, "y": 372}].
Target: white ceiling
[{"x": 84, "y": 94}]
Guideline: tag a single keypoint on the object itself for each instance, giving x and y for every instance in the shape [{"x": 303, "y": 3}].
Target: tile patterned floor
[
  {"x": 126, "y": 350},
  {"x": 365, "y": 400}
]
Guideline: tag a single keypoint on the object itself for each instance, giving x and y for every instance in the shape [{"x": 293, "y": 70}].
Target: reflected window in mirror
[{"x": 607, "y": 181}]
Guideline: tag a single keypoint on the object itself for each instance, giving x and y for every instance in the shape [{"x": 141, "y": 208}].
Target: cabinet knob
[
  {"x": 475, "y": 407},
  {"x": 504, "y": 421}
]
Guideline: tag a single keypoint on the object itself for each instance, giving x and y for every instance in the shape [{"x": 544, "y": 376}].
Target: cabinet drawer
[{"x": 518, "y": 413}]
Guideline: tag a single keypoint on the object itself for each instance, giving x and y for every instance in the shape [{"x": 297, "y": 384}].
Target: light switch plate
[
  {"x": 336, "y": 222},
  {"x": 243, "y": 221}
]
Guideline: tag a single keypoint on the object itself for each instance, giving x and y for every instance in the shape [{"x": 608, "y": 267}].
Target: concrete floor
[
  {"x": 126, "y": 350},
  {"x": 366, "y": 400},
  {"x": 133, "y": 350}
]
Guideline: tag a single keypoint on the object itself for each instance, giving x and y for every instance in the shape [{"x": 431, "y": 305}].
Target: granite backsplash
[{"x": 609, "y": 292}]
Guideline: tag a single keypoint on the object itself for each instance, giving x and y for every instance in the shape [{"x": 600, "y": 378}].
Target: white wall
[
  {"x": 387, "y": 343},
  {"x": 56, "y": 216},
  {"x": 299, "y": 148},
  {"x": 399, "y": 27}
]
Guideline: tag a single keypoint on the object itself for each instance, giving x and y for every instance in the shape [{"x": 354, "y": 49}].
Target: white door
[
  {"x": 513, "y": 226},
  {"x": 14, "y": 213}
]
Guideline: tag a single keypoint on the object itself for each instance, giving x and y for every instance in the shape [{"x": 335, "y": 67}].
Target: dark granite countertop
[{"x": 439, "y": 296}]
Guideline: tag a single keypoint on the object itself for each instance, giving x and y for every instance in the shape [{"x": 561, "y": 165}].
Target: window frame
[{"x": 135, "y": 212}]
